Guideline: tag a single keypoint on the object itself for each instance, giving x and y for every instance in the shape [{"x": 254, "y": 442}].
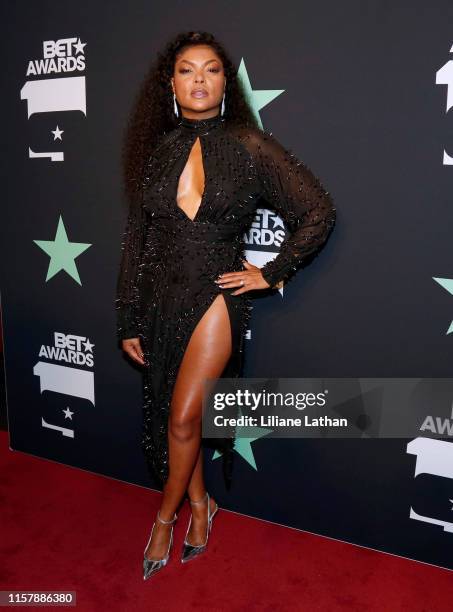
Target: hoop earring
[
  {"x": 175, "y": 106},
  {"x": 222, "y": 111}
]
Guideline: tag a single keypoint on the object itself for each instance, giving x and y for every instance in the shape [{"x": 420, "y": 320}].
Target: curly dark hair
[{"x": 152, "y": 114}]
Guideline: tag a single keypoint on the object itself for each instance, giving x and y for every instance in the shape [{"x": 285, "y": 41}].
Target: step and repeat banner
[{"x": 362, "y": 93}]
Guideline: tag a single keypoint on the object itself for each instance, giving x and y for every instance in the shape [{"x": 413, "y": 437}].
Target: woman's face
[{"x": 198, "y": 82}]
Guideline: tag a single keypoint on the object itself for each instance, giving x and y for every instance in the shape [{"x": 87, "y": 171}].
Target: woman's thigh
[{"x": 206, "y": 356}]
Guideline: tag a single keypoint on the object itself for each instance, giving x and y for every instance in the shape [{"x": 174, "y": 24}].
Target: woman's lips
[{"x": 199, "y": 94}]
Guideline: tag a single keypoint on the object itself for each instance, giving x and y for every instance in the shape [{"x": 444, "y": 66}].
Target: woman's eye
[{"x": 184, "y": 70}]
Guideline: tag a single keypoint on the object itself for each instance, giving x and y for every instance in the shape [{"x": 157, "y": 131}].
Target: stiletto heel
[
  {"x": 189, "y": 551},
  {"x": 151, "y": 566}
]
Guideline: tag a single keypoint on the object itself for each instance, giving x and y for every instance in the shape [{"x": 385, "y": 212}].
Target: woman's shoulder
[
  {"x": 259, "y": 142},
  {"x": 159, "y": 145}
]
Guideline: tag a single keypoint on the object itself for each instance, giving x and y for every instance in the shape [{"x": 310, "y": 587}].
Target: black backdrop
[{"x": 362, "y": 108}]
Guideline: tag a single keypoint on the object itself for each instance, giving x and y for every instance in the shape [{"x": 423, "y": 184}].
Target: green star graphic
[
  {"x": 446, "y": 283},
  {"x": 62, "y": 253},
  {"x": 258, "y": 98},
  {"x": 243, "y": 442}
]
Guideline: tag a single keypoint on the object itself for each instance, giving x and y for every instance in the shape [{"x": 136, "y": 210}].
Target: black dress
[{"x": 170, "y": 261}]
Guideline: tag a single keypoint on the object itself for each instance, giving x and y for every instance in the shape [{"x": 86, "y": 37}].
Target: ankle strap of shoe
[
  {"x": 166, "y": 522},
  {"x": 200, "y": 500}
]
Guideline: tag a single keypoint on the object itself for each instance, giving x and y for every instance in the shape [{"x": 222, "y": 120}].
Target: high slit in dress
[{"x": 169, "y": 262}]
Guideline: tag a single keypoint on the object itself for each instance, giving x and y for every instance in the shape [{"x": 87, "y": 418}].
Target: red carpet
[{"x": 64, "y": 528}]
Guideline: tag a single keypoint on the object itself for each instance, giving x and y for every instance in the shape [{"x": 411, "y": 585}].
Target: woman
[{"x": 197, "y": 166}]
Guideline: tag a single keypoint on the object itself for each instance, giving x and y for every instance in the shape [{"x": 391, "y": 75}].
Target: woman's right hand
[{"x": 133, "y": 348}]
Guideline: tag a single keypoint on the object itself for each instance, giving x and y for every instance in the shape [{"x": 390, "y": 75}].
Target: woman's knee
[{"x": 184, "y": 428}]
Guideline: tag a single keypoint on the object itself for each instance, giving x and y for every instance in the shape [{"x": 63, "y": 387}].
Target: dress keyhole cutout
[{"x": 191, "y": 183}]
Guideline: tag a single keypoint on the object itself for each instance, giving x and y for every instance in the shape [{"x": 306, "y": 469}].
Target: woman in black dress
[{"x": 197, "y": 166}]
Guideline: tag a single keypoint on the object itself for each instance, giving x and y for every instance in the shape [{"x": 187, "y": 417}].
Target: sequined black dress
[{"x": 169, "y": 261}]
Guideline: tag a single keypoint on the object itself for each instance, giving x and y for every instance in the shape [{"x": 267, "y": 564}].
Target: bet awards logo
[
  {"x": 264, "y": 238},
  {"x": 51, "y": 95},
  {"x": 65, "y": 55},
  {"x": 65, "y": 371}
]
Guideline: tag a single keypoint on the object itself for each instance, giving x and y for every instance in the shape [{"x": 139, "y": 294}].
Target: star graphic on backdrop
[
  {"x": 446, "y": 283},
  {"x": 243, "y": 442},
  {"x": 257, "y": 98},
  {"x": 57, "y": 133},
  {"x": 62, "y": 253},
  {"x": 451, "y": 502},
  {"x": 278, "y": 222},
  {"x": 68, "y": 414},
  {"x": 79, "y": 46},
  {"x": 88, "y": 345}
]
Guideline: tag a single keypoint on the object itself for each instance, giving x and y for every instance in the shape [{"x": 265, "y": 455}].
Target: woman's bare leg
[
  {"x": 206, "y": 356},
  {"x": 197, "y": 491},
  {"x": 196, "y": 488}
]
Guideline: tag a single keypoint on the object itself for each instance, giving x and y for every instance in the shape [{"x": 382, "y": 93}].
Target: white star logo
[
  {"x": 278, "y": 222},
  {"x": 79, "y": 47},
  {"x": 57, "y": 133},
  {"x": 88, "y": 346},
  {"x": 68, "y": 414}
]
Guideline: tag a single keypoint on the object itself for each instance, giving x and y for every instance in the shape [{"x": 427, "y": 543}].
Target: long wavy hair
[{"x": 152, "y": 114}]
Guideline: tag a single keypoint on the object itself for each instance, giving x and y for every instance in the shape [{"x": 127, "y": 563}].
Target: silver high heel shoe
[
  {"x": 151, "y": 566},
  {"x": 189, "y": 551}
]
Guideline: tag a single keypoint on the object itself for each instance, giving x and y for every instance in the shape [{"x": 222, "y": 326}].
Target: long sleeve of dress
[
  {"x": 127, "y": 294},
  {"x": 296, "y": 194}
]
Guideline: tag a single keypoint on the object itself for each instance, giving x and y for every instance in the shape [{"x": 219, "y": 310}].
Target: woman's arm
[
  {"x": 127, "y": 292},
  {"x": 296, "y": 194}
]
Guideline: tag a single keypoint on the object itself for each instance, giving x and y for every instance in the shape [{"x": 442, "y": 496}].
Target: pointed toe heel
[
  {"x": 190, "y": 551},
  {"x": 151, "y": 566}
]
